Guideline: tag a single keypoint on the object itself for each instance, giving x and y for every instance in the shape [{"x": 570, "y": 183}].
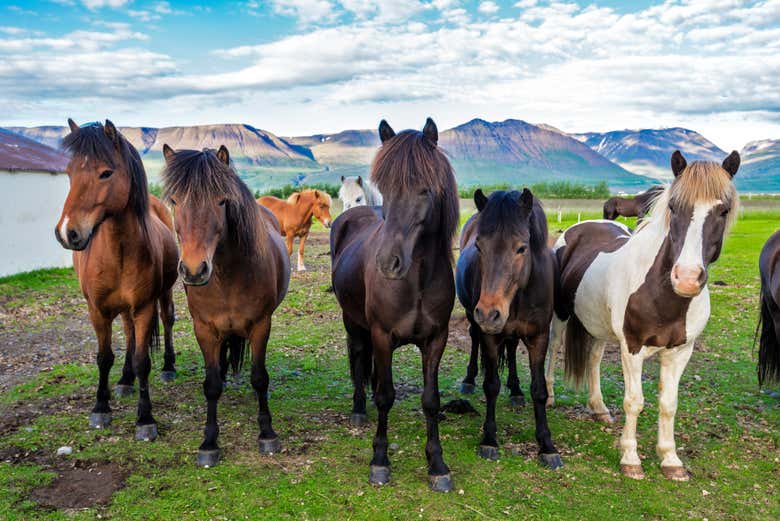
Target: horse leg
[
  {"x": 596, "y": 404},
  {"x": 124, "y": 386},
  {"x": 289, "y": 242},
  {"x": 439, "y": 476},
  {"x": 210, "y": 346},
  {"x": 384, "y": 396},
  {"x": 516, "y": 397},
  {"x": 359, "y": 349},
  {"x": 301, "y": 242},
  {"x": 469, "y": 383},
  {"x": 101, "y": 414},
  {"x": 673, "y": 362},
  {"x": 168, "y": 318},
  {"x": 537, "y": 352},
  {"x": 268, "y": 442},
  {"x": 633, "y": 403},
  {"x": 144, "y": 320},
  {"x": 558, "y": 329},
  {"x": 491, "y": 385}
]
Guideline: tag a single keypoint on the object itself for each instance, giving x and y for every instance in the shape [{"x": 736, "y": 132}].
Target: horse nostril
[
  {"x": 396, "y": 265},
  {"x": 204, "y": 267},
  {"x": 494, "y": 315},
  {"x": 73, "y": 236},
  {"x": 478, "y": 314}
]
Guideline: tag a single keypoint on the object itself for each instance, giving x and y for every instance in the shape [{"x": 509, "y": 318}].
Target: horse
[
  {"x": 769, "y": 321},
  {"x": 392, "y": 276},
  {"x": 646, "y": 291},
  {"x": 295, "y": 216},
  {"x": 124, "y": 254},
  {"x": 235, "y": 272},
  {"x": 355, "y": 191},
  {"x": 637, "y": 206},
  {"x": 505, "y": 279}
]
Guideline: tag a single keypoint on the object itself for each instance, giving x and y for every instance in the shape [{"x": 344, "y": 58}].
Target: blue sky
[{"x": 306, "y": 66}]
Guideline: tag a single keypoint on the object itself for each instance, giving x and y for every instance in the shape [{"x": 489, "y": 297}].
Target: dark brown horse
[
  {"x": 392, "y": 275},
  {"x": 636, "y": 206},
  {"x": 769, "y": 325},
  {"x": 125, "y": 256},
  {"x": 236, "y": 272},
  {"x": 505, "y": 280}
]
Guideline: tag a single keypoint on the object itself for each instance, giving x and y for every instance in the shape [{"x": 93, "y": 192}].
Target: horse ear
[
  {"x": 360, "y": 180},
  {"x": 168, "y": 153},
  {"x": 385, "y": 131},
  {"x": 223, "y": 154},
  {"x": 678, "y": 163},
  {"x": 342, "y": 179},
  {"x": 111, "y": 132},
  {"x": 480, "y": 199},
  {"x": 526, "y": 200},
  {"x": 73, "y": 126},
  {"x": 430, "y": 131},
  {"x": 731, "y": 163}
]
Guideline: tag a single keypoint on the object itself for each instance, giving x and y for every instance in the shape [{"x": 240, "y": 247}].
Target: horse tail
[
  {"x": 363, "y": 359},
  {"x": 768, "y": 343},
  {"x": 236, "y": 347},
  {"x": 577, "y": 343}
]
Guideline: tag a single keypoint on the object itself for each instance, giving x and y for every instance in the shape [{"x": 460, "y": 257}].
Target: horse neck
[
  {"x": 308, "y": 211},
  {"x": 124, "y": 228}
]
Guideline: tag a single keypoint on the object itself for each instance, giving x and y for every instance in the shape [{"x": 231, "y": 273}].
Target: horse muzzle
[
  {"x": 72, "y": 239},
  {"x": 200, "y": 277},
  {"x": 392, "y": 266},
  {"x": 489, "y": 319},
  {"x": 688, "y": 281}
]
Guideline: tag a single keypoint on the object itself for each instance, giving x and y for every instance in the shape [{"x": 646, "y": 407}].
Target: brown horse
[
  {"x": 235, "y": 273},
  {"x": 392, "y": 275},
  {"x": 636, "y": 206},
  {"x": 125, "y": 256},
  {"x": 505, "y": 280},
  {"x": 295, "y": 214},
  {"x": 769, "y": 324}
]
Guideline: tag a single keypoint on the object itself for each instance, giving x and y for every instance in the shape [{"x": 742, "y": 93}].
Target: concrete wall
[{"x": 30, "y": 206}]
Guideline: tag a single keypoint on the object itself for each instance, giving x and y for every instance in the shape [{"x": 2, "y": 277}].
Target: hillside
[
  {"x": 760, "y": 170},
  {"x": 20, "y": 153}
]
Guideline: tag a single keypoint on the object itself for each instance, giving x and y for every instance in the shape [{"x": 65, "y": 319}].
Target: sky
[{"x": 297, "y": 67}]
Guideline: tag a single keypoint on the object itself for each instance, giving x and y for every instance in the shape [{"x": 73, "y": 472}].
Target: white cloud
[
  {"x": 97, "y": 4},
  {"x": 488, "y": 8},
  {"x": 307, "y": 11}
]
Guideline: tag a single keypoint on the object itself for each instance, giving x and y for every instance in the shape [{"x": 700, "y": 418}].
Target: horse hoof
[
  {"x": 168, "y": 376},
  {"x": 269, "y": 447},
  {"x": 551, "y": 461},
  {"x": 122, "y": 390},
  {"x": 441, "y": 483},
  {"x": 488, "y": 452},
  {"x": 358, "y": 419},
  {"x": 603, "y": 417},
  {"x": 301, "y": 269},
  {"x": 146, "y": 432},
  {"x": 675, "y": 473},
  {"x": 517, "y": 401},
  {"x": 208, "y": 458},
  {"x": 379, "y": 475},
  {"x": 99, "y": 420},
  {"x": 632, "y": 471},
  {"x": 550, "y": 402},
  {"x": 466, "y": 388}
]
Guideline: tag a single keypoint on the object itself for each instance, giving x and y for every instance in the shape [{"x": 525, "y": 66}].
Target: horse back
[
  {"x": 769, "y": 267},
  {"x": 276, "y": 206},
  {"x": 161, "y": 211}
]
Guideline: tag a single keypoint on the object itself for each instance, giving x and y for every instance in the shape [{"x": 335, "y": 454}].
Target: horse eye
[
  {"x": 105, "y": 174},
  {"x": 222, "y": 202},
  {"x": 671, "y": 210},
  {"x": 477, "y": 247},
  {"x": 173, "y": 202},
  {"x": 358, "y": 199},
  {"x": 724, "y": 213},
  {"x": 521, "y": 250}
]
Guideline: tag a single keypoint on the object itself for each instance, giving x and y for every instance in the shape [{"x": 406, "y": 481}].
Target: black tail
[
  {"x": 236, "y": 349},
  {"x": 577, "y": 343},
  {"x": 363, "y": 358},
  {"x": 768, "y": 343}
]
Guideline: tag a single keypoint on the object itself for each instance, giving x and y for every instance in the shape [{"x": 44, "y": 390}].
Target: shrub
[{"x": 547, "y": 190}]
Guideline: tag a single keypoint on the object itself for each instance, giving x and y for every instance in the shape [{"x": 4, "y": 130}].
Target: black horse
[{"x": 769, "y": 325}]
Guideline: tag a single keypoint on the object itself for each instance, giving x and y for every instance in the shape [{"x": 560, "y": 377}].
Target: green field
[{"x": 728, "y": 432}]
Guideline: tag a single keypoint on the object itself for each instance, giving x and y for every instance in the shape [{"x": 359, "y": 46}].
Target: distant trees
[{"x": 547, "y": 190}]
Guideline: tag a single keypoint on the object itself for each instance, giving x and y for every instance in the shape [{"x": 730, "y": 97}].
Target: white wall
[{"x": 30, "y": 206}]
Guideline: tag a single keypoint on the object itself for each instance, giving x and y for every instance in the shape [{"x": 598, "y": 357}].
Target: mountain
[
  {"x": 20, "y": 153},
  {"x": 648, "y": 151},
  {"x": 760, "y": 169}
]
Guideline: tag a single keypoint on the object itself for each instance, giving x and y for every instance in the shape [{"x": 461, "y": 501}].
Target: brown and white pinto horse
[
  {"x": 235, "y": 273},
  {"x": 637, "y": 206},
  {"x": 125, "y": 256},
  {"x": 392, "y": 276},
  {"x": 647, "y": 292},
  {"x": 295, "y": 216},
  {"x": 769, "y": 324}
]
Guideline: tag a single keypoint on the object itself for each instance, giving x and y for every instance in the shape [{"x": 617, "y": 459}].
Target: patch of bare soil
[
  {"x": 80, "y": 484},
  {"x": 14, "y": 417},
  {"x": 459, "y": 333}
]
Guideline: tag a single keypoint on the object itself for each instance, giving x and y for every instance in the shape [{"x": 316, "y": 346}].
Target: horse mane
[
  {"x": 92, "y": 142},
  {"x": 293, "y": 199},
  {"x": 410, "y": 161},
  {"x": 503, "y": 213},
  {"x": 200, "y": 177}
]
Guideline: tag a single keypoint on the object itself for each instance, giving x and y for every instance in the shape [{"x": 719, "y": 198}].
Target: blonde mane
[{"x": 293, "y": 199}]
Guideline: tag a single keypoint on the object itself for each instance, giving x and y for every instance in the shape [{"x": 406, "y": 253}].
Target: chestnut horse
[
  {"x": 392, "y": 276},
  {"x": 648, "y": 293},
  {"x": 505, "y": 280},
  {"x": 235, "y": 273},
  {"x": 636, "y": 206},
  {"x": 769, "y": 324},
  {"x": 125, "y": 257},
  {"x": 295, "y": 214}
]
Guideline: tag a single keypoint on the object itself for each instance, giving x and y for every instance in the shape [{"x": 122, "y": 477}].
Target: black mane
[{"x": 503, "y": 212}]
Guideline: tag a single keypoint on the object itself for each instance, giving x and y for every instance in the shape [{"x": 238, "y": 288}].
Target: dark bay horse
[
  {"x": 636, "y": 206},
  {"x": 769, "y": 325},
  {"x": 505, "y": 279},
  {"x": 125, "y": 256},
  {"x": 392, "y": 275},
  {"x": 647, "y": 292},
  {"x": 236, "y": 272}
]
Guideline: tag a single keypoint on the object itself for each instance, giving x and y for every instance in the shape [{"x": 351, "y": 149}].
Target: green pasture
[{"x": 728, "y": 431}]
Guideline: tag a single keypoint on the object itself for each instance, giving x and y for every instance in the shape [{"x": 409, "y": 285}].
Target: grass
[{"x": 727, "y": 431}]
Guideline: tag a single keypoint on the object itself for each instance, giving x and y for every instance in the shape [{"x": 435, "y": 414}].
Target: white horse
[
  {"x": 648, "y": 293},
  {"x": 355, "y": 191}
]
